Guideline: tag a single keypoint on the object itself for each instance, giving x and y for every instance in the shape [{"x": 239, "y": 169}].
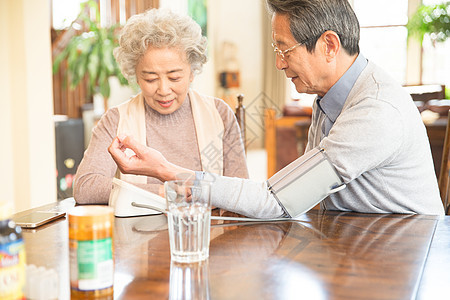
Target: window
[
  {"x": 65, "y": 12},
  {"x": 435, "y": 59},
  {"x": 383, "y": 34}
]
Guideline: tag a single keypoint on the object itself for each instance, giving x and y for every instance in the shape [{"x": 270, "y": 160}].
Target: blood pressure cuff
[{"x": 305, "y": 182}]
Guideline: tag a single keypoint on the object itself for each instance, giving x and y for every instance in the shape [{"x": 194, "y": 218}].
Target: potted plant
[
  {"x": 431, "y": 19},
  {"x": 90, "y": 53}
]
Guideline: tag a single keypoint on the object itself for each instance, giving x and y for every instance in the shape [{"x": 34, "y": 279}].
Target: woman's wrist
[{"x": 173, "y": 172}]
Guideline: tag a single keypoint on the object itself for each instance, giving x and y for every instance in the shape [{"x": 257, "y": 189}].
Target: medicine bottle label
[
  {"x": 92, "y": 265},
  {"x": 12, "y": 270}
]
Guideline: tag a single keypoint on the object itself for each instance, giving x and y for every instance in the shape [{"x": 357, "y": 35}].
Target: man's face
[{"x": 303, "y": 68}]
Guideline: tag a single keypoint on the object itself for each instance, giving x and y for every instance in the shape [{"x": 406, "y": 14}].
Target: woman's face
[{"x": 164, "y": 76}]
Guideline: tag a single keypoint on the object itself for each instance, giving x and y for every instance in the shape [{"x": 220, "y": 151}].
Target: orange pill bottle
[{"x": 91, "y": 252}]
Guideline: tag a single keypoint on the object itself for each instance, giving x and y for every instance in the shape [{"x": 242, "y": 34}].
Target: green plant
[
  {"x": 91, "y": 53},
  {"x": 430, "y": 19},
  {"x": 197, "y": 9}
]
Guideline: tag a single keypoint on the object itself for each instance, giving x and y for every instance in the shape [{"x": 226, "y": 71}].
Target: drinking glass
[{"x": 189, "y": 219}]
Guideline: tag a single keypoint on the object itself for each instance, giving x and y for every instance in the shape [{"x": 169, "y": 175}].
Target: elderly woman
[{"x": 162, "y": 51}]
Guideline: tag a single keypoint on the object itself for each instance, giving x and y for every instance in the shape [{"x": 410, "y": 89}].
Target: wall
[
  {"x": 414, "y": 52},
  {"x": 243, "y": 28},
  {"x": 27, "y": 157},
  {"x": 6, "y": 151}
]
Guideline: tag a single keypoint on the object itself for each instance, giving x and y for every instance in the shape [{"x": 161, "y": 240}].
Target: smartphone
[{"x": 38, "y": 218}]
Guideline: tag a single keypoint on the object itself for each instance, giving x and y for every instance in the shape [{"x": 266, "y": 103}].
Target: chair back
[
  {"x": 240, "y": 116},
  {"x": 426, "y": 92},
  {"x": 281, "y": 138},
  {"x": 445, "y": 168}
]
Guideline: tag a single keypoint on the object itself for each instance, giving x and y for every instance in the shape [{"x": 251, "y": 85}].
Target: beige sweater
[{"x": 173, "y": 135}]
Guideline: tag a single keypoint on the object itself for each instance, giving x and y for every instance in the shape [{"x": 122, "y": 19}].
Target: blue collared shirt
[{"x": 332, "y": 102}]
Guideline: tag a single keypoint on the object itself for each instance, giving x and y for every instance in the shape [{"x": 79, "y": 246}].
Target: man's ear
[{"x": 331, "y": 44}]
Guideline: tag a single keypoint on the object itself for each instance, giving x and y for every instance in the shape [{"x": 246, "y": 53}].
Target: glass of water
[
  {"x": 189, "y": 219},
  {"x": 189, "y": 281}
]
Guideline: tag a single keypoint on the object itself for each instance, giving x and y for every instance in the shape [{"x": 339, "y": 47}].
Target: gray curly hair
[{"x": 159, "y": 28}]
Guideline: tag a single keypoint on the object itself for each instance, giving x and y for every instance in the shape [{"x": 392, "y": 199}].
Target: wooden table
[{"x": 328, "y": 255}]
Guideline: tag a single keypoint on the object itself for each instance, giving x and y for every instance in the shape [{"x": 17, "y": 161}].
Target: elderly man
[{"x": 368, "y": 125}]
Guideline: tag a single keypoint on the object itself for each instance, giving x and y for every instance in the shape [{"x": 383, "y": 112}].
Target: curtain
[{"x": 274, "y": 80}]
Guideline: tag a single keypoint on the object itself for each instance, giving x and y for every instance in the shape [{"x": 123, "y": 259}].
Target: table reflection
[
  {"x": 189, "y": 281},
  {"x": 354, "y": 247},
  {"x": 246, "y": 242}
]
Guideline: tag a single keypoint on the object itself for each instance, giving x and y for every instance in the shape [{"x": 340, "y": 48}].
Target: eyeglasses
[{"x": 283, "y": 53}]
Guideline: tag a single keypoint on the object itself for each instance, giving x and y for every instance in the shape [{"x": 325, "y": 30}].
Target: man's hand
[{"x": 145, "y": 160}]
